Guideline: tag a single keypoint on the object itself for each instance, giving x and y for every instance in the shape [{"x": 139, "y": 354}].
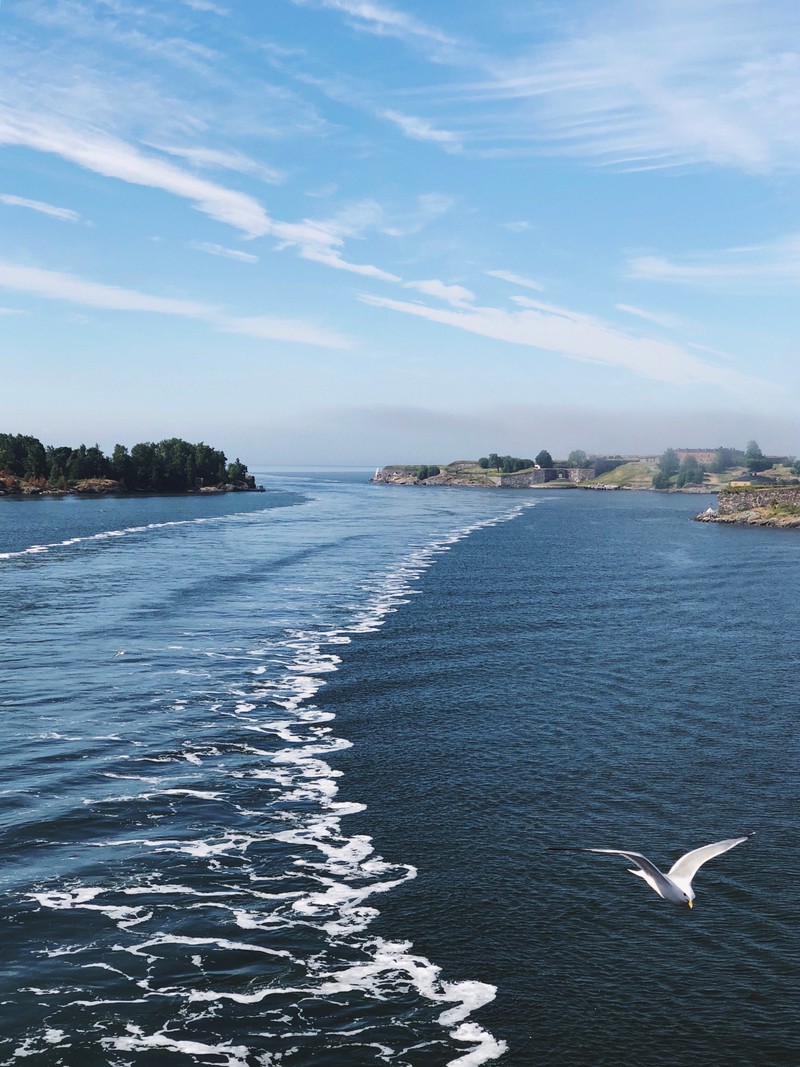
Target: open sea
[{"x": 278, "y": 773}]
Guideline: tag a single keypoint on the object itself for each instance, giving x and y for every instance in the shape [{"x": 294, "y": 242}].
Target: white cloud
[
  {"x": 331, "y": 258},
  {"x": 274, "y": 329},
  {"x": 456, "y": 295},
  {"x": 381, "y": 19},
  {"x": 766, "y": 265},
  {"x": 63, "y": 213},
  {"x": 226, "y": 160},
  {"x": 581, "y": 337},
  {"x": 422, "y": 130},
  {"x": 515, "y": 279},
  {"x": 657, "y": 317},
  {"x": 647, "y": 85},
  {"x": 206, "y": 5},
  {"x": 114, "y": 158},
  {"x": 71, "y": 289},
  {"x": 220, "y": 250}
]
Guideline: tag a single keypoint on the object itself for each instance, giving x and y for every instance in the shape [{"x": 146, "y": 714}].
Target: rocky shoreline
[
  {"x": 97, "y": 487},
  {"x": 753, "y": 517}
]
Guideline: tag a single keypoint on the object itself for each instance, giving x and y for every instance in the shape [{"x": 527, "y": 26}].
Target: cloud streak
[
  {"x": 220, "y": 250},
  {"x": 64, "y": 214},
  {"x": 515, "y": 279},
  {"x": 385, "y": 21},
  {"x": 581, "y": 337},
  {"x": 772, "y": 264},
  {"x": 71, "y": 289},
  {"x": 421, "y": 130},
  {"x": 114, "y": 158}
]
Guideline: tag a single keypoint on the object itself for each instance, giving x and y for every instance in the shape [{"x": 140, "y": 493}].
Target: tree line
[
  {"x": 576, "y": 458},
  {"x": 171, "y": 465},
  {"x": 673, "y": 473}
]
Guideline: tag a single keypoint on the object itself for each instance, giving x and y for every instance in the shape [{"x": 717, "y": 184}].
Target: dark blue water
[{"x": 278, "y": 774}]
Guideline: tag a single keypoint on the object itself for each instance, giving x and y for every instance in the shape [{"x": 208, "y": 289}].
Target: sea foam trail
[
  {"x": 272, "y": 861},
  {"x": 125, "y": 531}
]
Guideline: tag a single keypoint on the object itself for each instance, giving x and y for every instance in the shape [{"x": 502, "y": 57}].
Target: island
[
  {"x": 752, "y": 489},
  {"x": 29, "y": 468}
]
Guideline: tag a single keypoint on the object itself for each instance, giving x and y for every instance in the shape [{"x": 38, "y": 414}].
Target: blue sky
[{"x": 357, "y": 231}]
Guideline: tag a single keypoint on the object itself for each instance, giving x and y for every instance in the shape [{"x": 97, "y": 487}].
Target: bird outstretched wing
[
  {"x": 684, "y": 869},
  {"x": 650, "y": 872}
]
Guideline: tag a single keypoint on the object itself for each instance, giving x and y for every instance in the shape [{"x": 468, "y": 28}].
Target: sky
[{"x": 366, "y": 232}]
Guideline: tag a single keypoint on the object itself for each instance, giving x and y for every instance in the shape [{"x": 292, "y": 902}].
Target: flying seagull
[{"x": 676, "y": 885}]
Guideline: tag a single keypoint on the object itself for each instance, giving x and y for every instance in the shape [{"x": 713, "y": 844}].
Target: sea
[{"x": 280, "y": 773}]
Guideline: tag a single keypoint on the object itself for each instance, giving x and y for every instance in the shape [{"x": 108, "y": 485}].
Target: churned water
[{"x": 279, "y": 772}]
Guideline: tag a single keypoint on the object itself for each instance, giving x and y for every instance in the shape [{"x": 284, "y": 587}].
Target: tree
[
  {"x": 689, "y": 473},
  {"x": 723, "y": 459},
  {"x": 236, "y": 471},
  {"x": 544, "y": 459},
  {"x": 577, "y": 458},
  {"x": 661, "y": 480},
  {"x": 754, "y": 458},
  {"x": 669, "y": 462}
]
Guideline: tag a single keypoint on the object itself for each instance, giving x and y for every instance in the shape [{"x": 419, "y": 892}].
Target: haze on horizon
[{"x": 340, "y": 232}]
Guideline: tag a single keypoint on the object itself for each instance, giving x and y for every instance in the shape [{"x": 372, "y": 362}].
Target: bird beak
[{"x": 689, "y": 902}]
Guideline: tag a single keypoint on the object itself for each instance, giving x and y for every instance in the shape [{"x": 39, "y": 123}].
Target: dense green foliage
[
  {"x": 506, "y": 464},
  {"x": 427, "y": 472},
  {"x": 689, "y": 473},
  {"x": 577, "y": 458},
  {"x": 754, "y": 458},
  {"x": 669, "y": 463},
  {"x": 171, "y": 465}
]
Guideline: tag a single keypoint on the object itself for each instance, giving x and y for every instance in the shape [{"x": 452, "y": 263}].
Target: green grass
[{"x": 637, "y": 475}]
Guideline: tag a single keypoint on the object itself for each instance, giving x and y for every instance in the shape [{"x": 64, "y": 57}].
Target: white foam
[
  {"x": 126, "y": 531},
  {"x": 340, "y": 874},
  {"x": 137, "y": 1041}
]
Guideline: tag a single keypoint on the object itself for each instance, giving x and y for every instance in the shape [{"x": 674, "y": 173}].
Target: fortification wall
[{"x": 729, "y": 502}]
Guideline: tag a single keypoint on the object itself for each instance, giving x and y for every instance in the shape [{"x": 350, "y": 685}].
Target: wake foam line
[
  {"x": 344, "y": 878},
  {"x": 126, "y": 531}
]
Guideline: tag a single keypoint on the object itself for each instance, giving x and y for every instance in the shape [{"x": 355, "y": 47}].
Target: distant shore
[{"x": 91, "y": 488}]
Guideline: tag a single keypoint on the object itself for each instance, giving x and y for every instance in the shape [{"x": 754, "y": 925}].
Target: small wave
[
  {"x": 125, "y": 531},
  {"x": 272, "y": 859}
]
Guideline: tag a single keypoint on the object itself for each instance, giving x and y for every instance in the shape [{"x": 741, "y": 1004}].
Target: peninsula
[
  {"x": 29, "y": 468},
  {"x": 752, "y": 489}
]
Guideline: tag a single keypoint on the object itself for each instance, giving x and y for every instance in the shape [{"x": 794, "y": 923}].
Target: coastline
[
  {"x": 753, "y": 517},
  {"x": 95, "y": 488}
]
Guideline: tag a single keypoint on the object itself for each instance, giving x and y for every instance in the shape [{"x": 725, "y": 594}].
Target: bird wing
[
  {"x": 650, "y": 872},
  {"x": 684, "y": 869}
]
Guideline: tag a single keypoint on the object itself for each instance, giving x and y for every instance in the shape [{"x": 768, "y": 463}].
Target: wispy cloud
[
  {"x": 71, "y": 289},
  {"x": 577, "y": 336},
  {"x": 647, "y": 86},
  {"x": 226, "y": 160},
  {"x": 772, "y": 264},
  {"x": 515, "y": 279},
  {"x": 65, "y": 214},
  {"x": 220, "y": 250},
  {"x": 114, "y": 158},
  {"x": 386, "y": 21},
  {"x": 456, "y": 295},
  {"x": 206, "y": 5},
  {"x": 421, "y": 130},
  {"x": 657, "y": 317}
]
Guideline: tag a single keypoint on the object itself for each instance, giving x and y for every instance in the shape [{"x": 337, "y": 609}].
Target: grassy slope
[{"x": 631, "y": 475}]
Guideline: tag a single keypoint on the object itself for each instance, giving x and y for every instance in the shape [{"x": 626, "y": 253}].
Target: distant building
[{"x": 704, "y": 456}]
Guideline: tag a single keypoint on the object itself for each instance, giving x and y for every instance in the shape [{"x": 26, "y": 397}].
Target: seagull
[{"x": 676, "y": 885}]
